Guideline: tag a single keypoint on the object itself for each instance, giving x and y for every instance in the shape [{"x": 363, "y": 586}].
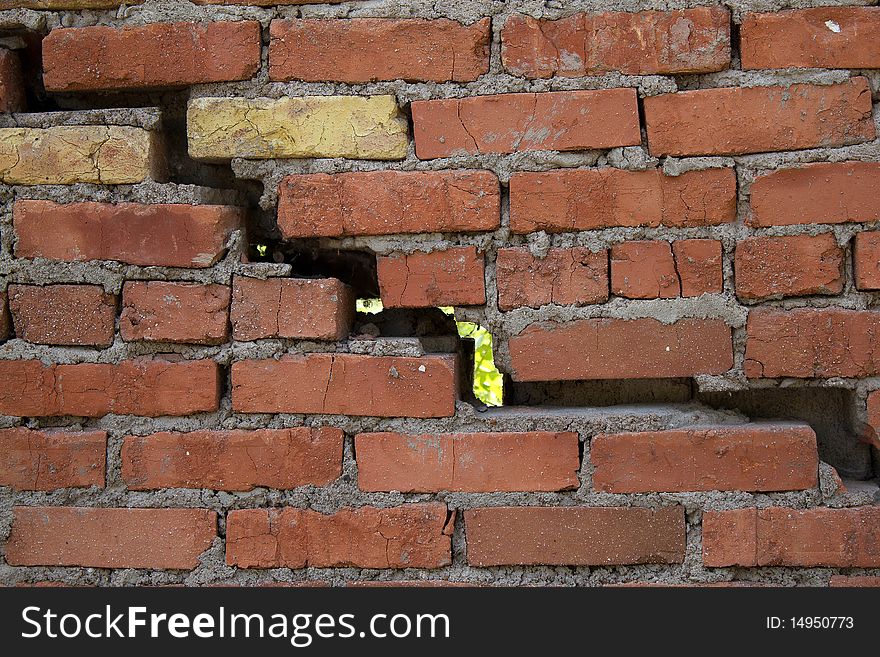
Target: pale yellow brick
[
  {"x": 357, "y": 127},
  {"x": 64, "y": 155}
]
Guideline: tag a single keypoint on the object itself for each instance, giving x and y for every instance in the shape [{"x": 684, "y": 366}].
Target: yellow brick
[
  {"x": 65, "y": 4},
  {"x": 362, "y": 128},
  {"x": 63, "y": 155}
]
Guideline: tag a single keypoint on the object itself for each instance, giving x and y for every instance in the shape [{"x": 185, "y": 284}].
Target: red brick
[
  {"x": 641, "y": 43},
  {"x": 737, "y": 120},
  {"x": 555, "y": 352},
  {"x": 156, "y": 311},
  {"x": 752, "y": 457},
  {"x": 455, "y": 277},
  {"x": 811, "y": 343},
  {"x": 874, "y": 410},
  {"x": 866, "y": 260},
  {"x": 233, "y": 460},
  {"x": 796, "y": 265},
  {"x": 411, "y": 536},
  {"x": 316, "y": 309},
  {"x": 110, "y": 538},
  {"x": 824, "y": 193},
  {"x": 63, "y": 314},
  {"x": 347, "y": 384},
  {"x": 5, "y": 321},
  {"x": 511, "y": 123},
  {"x": 467, "y": 462},
  {"x": 48, "y": 460},
  {"x": 378, "y": 49},
  {"x": 854, "y": 580},
  {"x": 823, "y": 37},
  {"x": 700, "y": 266},
  {"x": 588, "y": 199},
  {"x": 575, "y": 536},
  {"x": 149, "y": 388},
  {"x": 778, "y": 536},
  {"x": 93, "y": 58},
  {"x": 644, "y": 270},
  {"x": 165, "y": 235},
  {"x": 574, "y": 276},
  {"x": 388, "y": 202},
  {"x": 12, "y": 93}
]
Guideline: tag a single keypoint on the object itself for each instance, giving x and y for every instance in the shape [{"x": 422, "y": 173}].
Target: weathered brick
[
  {"x": 109, "y": 58},
  {"x": 48, "y": 460},
  {"x": 752, "y": 457},
  {"x": 555, "y": 352},
  {"x": 866, "y": 260},
  {"x": 110, "y": 538},
  {"x": 812, "y": 343},
  {"x": 63, "y": 314},
  {"x": 821, "y": 37},
  {"x": 574, "y": 276},
  {"x": 12, "y": 93},
  {"x": 347, "y": 384},
  {"x": 454, "y": 277},
  {"x": 874, "y": 410},
  {"x": 778, "y": 536},
  {"x": 510, "y": 123},
  {"x": 737, "y": 120},
  {"x": 156, "y": 311},
  {"x": 316, "y": 309},
  {"x": 150, "y": 388},
  {"x": 644, "y": 270},
  {"x": 388, "y": 202},
  {"x": 587, "y": 199},
  {"x": 576, "y": 536},
  {"x": 854, "y": 580},
  {"x": 5, "y": 320},
  {"x": 233, "y": 460},
  {"x": 163, "y": 235},
  {"x": 378, "y": 49},
  {"x": 823, "y": 193},
  {"x": 642, "y": 43},
  {"x": 357, "y": 127},
  {"x": 795, "y": 265},
  {"x": 64, "y": 155},
  {"x": 467, "y": 462},
  {"x": 700, "y": 266},
  {"x": 411, "y": 536}
]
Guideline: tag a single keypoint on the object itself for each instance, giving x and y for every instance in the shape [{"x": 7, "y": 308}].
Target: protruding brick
[
  {"x": 347, "y": 384},
  {"x": 233, "y": 460},
  {"x": 588, "y": 199},
  {"x": 737, "y": 120},
  {"x": 418, "y": 50},
  {"x": 642, "y": 43},
  {"x": 510, "y": 123},
  {"x": 555, "y": 352},
  {"x": 102, "y": 58},
  {"x": 811, "y": 343},
  {"x": 64, "y": 155},
  {"x": 48, "y": 460},
  {"x": 866, "y": 260},
  {"x": 454, "y": 277},
  {"x": 149, "y": 388},
  {"x": 12, "y": 93},
  {"x": 164, "y": 235},
  {"x": 467, "y": 462},
  {"x": 823, "y": 193},
  {"x": 156, "y": 311},
  {"x": 410, "y": 536},
  {"x": 357, "y": 127},
  {"x": 795, "y": 265},
  {"x": 315, "y": 309},
  {"x": 574, "y": 276},
  {"x": 63, "y": 314},
  {"x": 752, "y": 457},
  {"x": 778, "y": 536},
  {"x": 575, "y": 536},
  {"x": 110, "y": 538},
  {"x": 700, "y": 266},
  {"x": 821, "y": 37},
  {"x": 644, "y": 270},
  {"x": 388, "y": 202}
]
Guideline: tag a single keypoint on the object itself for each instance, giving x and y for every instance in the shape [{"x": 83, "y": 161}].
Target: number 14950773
[{"x": 810, "y": 623}]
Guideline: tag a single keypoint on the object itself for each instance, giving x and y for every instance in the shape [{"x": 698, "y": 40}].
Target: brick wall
[{"x": 668, "y": 220}]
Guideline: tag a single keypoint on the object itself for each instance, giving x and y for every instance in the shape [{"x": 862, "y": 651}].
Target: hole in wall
[{"x": 599, "y": 392}]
